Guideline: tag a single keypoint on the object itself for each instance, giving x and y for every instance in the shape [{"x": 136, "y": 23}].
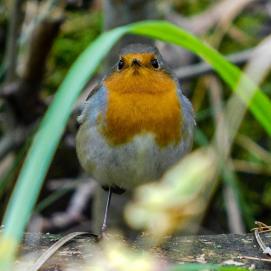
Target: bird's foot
[{"x": 104, "y": 235}]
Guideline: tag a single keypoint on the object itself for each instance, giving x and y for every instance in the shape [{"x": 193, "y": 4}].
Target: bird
[{"x": 135, "y": 124}]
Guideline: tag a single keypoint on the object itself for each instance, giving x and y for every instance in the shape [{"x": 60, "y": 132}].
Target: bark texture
[{"x": 224, "y": 249}]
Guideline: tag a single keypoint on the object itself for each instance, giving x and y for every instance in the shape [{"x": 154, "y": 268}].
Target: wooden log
[{"x": 224, "y": 249}]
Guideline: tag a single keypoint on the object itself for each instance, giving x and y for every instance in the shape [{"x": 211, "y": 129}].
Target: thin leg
[{"x": 104, "y": 226}]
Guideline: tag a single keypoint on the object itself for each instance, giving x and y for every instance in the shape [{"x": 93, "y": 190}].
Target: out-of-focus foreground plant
[
  {"x": 188, "y": 186},
  {"x": 52, "y": 126}
]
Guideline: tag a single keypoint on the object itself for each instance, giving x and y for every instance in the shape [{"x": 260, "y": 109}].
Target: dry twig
[{"x": 261, "y": 227}]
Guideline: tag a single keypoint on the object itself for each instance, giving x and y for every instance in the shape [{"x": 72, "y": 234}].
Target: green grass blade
[
  {"x": 259, "y": 105},
  {"x": 47, "y": 138}
]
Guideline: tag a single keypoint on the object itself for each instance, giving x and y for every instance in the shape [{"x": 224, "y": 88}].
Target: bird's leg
[{"x": 104, "y": 226}]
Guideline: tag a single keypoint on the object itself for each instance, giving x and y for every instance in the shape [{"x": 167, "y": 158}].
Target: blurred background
[{"x": 39, "y": 41}]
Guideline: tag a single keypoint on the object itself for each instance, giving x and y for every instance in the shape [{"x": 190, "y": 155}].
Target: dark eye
[
  {"x": 120, "y": 64},
  {"x": 155, "y": 63}
]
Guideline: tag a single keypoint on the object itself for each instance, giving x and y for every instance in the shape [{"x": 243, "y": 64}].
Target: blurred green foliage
[
  {"x": 80, "y": 30},
  {"x": 191, "y": 7}
]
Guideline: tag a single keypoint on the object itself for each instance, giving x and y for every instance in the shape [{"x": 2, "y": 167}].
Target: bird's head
[
  {"x": 137, "y": 58},
  {"x": 140, "y": 68}
]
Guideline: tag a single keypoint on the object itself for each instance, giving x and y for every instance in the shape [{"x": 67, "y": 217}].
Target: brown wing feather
[{"x": 93, "y": 91}]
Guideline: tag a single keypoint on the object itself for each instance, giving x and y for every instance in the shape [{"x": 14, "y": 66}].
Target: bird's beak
[{"x": 136, "y": 63}]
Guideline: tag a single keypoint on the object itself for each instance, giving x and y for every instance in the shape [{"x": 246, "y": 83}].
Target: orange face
[
  {"x": 140, "y": 72},
  {"x": 142, "y": 97},
  {"x": 138, "y": 61}
]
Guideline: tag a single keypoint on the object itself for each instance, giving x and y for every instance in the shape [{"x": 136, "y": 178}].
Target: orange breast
[{"x": 145, "y": 102}]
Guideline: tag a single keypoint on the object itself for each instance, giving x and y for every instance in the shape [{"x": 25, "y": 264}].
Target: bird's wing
[
  {"x": 93, "y": 91},
  {"x": 189, "y": 122},
  {"x": 94, "y": 104}
]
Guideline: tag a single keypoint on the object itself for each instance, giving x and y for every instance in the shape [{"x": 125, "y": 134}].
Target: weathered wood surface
[{"x": 225, "y": 249}]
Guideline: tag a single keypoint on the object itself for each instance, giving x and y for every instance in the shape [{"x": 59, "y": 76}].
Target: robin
[{"x": 135, "y": 124}]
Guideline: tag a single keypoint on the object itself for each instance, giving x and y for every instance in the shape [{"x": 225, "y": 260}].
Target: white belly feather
[{"x": 128, "y": 165}]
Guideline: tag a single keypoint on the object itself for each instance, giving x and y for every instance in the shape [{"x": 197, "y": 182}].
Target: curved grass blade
[{"x": 45, "y": 143}]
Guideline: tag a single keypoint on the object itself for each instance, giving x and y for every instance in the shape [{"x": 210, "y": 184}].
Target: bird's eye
[
  {"x": 155, "y": 63},
  {"x": 120, "y": 64}
]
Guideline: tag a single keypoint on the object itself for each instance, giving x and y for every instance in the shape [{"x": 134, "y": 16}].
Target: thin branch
[
  {"x": 55, "y": 247},
  {"x": 23, "y": 93},
  {"x": 231, "y": 200},
  {"x": 235, "y": 222},
  {"x": 202, "y": 68},
  {"x": 12, "y": 44},
  {"x": 74, "y": 212},
  {"x": 13, "y": 140}
]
